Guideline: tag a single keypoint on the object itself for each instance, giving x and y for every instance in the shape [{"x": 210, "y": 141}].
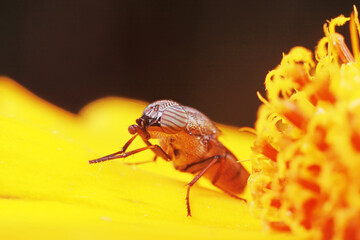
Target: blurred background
[{"x": 211, "y": 55}]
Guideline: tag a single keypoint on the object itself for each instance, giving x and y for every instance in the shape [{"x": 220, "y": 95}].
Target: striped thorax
[{"x": 164, "y": 115}]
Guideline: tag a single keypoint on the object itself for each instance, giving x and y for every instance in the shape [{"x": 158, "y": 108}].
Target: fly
[{"x": 189, "y": 139}]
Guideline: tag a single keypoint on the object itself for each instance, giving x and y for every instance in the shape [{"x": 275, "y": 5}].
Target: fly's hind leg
[{"x": 214, "y": 160}]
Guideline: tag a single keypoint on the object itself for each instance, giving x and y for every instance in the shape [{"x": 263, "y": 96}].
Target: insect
[{"x": 190, "y": 140}]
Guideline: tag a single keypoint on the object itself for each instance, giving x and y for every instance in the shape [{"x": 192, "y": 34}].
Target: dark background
[{"x": 212, "y": 55}]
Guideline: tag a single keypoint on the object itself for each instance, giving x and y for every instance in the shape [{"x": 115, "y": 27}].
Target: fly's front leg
[
  {"x": 110, "y": 156},
  {"x": 124, "y": 148},
  {"x": 135, "y": 129},
  {"x": 145, "y": 136},
  {"x": 124, "y": 155},
  {"x": 214, "y": 160}
]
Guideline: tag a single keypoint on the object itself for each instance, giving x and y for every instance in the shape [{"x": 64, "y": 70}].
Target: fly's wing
[{"x": 199, "y": 124}]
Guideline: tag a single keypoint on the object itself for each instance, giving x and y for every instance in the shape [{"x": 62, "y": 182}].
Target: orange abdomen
[{"x": 232, "y": 177}]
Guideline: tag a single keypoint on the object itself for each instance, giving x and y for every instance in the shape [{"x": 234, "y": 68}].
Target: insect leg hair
[{"x": 215, "y": 159}]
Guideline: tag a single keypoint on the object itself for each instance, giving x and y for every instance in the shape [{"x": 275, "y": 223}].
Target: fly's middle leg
[{"x": 214, "y": 160}]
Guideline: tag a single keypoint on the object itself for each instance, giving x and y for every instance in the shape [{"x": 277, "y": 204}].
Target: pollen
[{"x": 306, "y": 156}]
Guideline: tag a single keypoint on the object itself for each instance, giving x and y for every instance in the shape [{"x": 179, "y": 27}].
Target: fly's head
[{"x": 163, "y": 116}]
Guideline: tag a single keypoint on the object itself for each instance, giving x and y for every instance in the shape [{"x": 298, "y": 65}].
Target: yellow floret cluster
[{"x": 306, "y": 157}]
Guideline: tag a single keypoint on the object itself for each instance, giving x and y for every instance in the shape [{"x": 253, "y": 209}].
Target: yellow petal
[{"x": 49, "y": 191}]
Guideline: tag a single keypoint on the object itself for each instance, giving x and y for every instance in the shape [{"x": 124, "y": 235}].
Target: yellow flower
[
  {"x": 306, "y": 159},
  {"x": 49, "y": 191}
]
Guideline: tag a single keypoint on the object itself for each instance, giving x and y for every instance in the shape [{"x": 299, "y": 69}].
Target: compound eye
[{"x": 173, "y": 119}]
